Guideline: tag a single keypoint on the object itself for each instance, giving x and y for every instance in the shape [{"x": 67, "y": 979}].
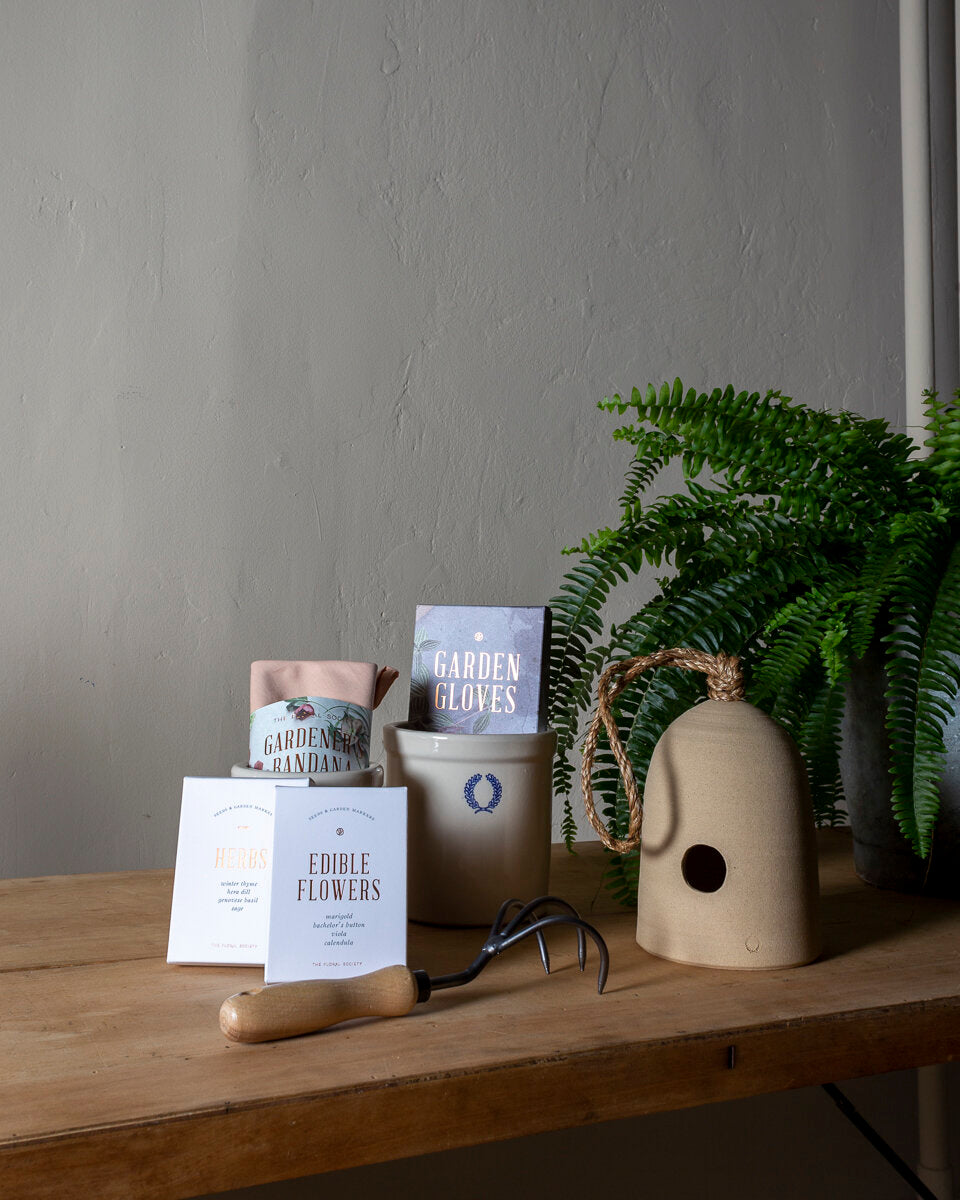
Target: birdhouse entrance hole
[{"x": 704, "y": 868}]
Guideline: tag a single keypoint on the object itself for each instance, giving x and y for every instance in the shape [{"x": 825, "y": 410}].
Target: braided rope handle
[{"x": 724, "y": 682}]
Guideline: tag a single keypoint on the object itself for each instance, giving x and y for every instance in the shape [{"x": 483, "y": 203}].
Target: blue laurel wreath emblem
[{"x": 470, "y": 796}]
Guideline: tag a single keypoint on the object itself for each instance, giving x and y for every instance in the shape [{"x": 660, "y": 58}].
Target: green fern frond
[
  {"x": 819, "y": 739},
  {"x": 621, "y": 878},
  {"x": 942, "y": 419},
  {"x": 819, "y": 466},
  {"x": 800, "y": 536},
  {"x": 576, "y": 623},
  {"x": 568, "y": 826},
  {"x": 811, "y": 625},
  {"x": 882, "y": 565},
  {"x": 923, "y": 650},
  {"x": 652, "y": 453}
]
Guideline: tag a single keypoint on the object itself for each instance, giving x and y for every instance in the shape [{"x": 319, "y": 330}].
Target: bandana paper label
[{"x": 310, "y": 734}]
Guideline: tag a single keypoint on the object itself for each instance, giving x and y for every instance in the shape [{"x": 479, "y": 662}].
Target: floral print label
[{"x": 310, "y": 734}]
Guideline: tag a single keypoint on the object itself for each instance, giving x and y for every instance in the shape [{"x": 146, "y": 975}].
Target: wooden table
[{"x": 115, "y": 1080}]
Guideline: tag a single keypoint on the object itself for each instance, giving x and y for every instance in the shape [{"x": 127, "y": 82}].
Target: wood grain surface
[{"x": 117, "y": 1081}]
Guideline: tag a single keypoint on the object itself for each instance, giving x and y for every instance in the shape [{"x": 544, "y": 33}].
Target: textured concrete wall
[{"x": 306, "y": 306}]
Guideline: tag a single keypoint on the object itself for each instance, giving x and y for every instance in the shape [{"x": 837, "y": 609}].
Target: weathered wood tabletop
[{"x": 115, "y": 1080}]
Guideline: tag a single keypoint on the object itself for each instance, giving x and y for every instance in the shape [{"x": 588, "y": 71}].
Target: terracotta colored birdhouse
[{"x": 728, "y": 863}]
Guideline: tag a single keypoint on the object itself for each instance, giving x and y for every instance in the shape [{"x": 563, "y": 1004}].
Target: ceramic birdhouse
[{"x": 728, "y": 863}]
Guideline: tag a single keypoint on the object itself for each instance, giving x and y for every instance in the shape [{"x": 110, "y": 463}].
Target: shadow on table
[{"x": 861, "y": 915}]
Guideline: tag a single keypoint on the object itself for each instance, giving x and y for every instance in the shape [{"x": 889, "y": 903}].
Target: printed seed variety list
[
  {"x": 338, "y": 901},
  {"x": 311, "y": 882},
  {"x": 221, "y": 887}
]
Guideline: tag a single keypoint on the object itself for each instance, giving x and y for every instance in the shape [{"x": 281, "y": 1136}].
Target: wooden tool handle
[{"x": 282, "y": 1010}]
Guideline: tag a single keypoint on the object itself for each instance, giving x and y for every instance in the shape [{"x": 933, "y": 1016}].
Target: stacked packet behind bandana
[{"x": 307, "y": 717}]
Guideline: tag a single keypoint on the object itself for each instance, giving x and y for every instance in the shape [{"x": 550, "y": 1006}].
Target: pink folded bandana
[{"x": 314, "y": 716}]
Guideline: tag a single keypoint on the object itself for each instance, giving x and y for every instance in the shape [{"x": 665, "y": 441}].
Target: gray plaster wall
[
  {"x": 306, "y": 308},
  {"x": 304, "y": 313}
]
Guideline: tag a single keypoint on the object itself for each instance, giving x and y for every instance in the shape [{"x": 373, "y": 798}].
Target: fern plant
[{"x": 802, "y": 539}]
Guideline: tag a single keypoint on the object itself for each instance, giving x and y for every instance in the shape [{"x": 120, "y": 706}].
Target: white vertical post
[
  {"x": 917, "y": 218},
  {"x": 934, "y": 1166}
]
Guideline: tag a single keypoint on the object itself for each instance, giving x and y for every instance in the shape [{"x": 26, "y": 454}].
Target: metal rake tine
[
  {"x": 566, "y": 919},
  {"x": 558, "y": 902},
  {"x": 531, "y": 909},
  {"x": 581, "y": 936},
  {"x": 502, "y": 911},
  {"x": 544, "y": 952},
  {"x": 497, "y": 930}
]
